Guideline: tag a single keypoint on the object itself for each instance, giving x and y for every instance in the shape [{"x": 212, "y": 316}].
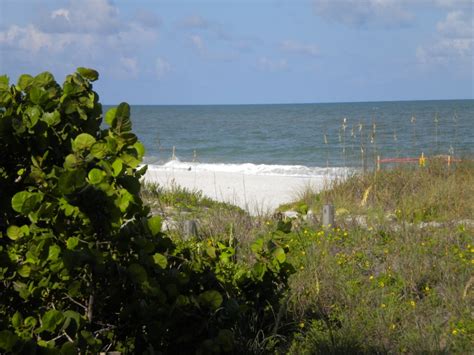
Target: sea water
[{"x": 302, "y": 139}]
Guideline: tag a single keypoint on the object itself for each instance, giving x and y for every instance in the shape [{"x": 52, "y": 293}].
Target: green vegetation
[
  {"x": 83, "y": 266},
  {"x": 401, "y": 281}
]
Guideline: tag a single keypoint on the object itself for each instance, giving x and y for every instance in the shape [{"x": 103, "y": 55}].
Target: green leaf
[
  {"x": 24, "y": 270},
  {"x": 51, "y": 118},
  {"x": 24, "y": 81},
  {"x": 130, "y": 160},
  {"x": 25, "y": 202},
  {"x": 72, "y": 161},
  {"x": 154, "y": 224},
  {"x": 117, "y": 167},
  {"x": 8, "y": 340},
  {"x": 83, "y": 141},
  {"x": 53, "y": 252},
  {"x": 211, "y": 298},
  {"x": 70, "y": 181},
  {"x": 279, "y": 254},
  {"x": 110, "y": 116},
  {"x": 14, "y": 232},
  {"x": 88, "y": 73},
  {"x": 257, "y": 246},
  {"x": 33, "y": 114},
  {"x": 123, "y": 200},
  {"x": 138, "y": 273},
  {"x": 122, "y": 121},
  {"x": 17, "y": 320},
  {"x": 72, "y": 242},
  {"x": 69, "y": 349},
  {"x": 38, "y": 95},
  {"x": 96, "y": 176},
  {"x": 160, "y": 260},
  {"x": 43, "y": 79},
  {"x": 99, "y": 150},
  {"x": 140, "y": 148},
  {"x": 51, "y": 320},
  {"x": 4, "y": 82},
  {"x": 211, "y": 251}
]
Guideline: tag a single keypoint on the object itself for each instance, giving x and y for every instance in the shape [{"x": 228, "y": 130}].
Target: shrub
[{"x": 82, "y": 265}]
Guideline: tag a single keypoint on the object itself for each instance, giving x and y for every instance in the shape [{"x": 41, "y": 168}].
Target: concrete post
[{"x": 328, "y": 216}]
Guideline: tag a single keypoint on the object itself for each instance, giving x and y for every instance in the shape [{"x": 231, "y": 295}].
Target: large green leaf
[
  {"x": 51, "y": 320},
  {"x": 14, "y": 232},
  {"x": 211, "y": 298},
  {"x": 88, "y": 73},
  {"x": 72, "y": 180},
  {"x": 51, "y": 118},
  {"x": 99, "y": 150},
  {"x": 83, "y": 141},
  {"x": 43, "y": 79},
  {"x": 160, "y": 260},
  {"x": 279, "y": 254},
  {"x": 4, "y": 82},
  {"x": 138, "y": 273},
  {"x": 154, "y": 223},
  {"x": 26, "y": 202},
  {"x": 110, "y": 116},
  {"x": 24, "y": 81},
  {"x": 122, "y": 123},
  {"x": 38, "y": 95},
  {"x": 96, "y": 176}
]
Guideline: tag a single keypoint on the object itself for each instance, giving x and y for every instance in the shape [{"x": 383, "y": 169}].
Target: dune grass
[{"x": 396, "y": 284}]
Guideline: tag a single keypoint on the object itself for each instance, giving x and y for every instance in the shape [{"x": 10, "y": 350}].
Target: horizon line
[{"x": 288, "y": 103}]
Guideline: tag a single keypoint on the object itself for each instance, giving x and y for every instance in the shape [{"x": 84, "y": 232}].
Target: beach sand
[{"x": 257, "y": 194}]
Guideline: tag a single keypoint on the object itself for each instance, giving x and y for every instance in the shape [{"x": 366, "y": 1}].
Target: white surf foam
[{"x": 254, "y": 169}]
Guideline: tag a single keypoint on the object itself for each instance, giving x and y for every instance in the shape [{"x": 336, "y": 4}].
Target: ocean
[{"x": 302, "y": 139}]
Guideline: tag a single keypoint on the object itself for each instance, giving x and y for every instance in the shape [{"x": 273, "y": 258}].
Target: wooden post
[
  {"x": 190, "y": 228},
  {"x": 173, "y": 156},
  {"x": 449, "y": 161},
  {"x": 378, "y": 162},
  {"x": 328, "y": 215}
]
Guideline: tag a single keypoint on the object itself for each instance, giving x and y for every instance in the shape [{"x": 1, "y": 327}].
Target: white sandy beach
[{"x": 252, "y": 192}]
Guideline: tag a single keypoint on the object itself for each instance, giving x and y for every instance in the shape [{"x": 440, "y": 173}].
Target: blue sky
[{"x": 263, "y": 51}]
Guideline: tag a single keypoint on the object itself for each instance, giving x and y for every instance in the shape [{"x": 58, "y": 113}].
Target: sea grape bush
[{"x": 83, "y": 267}]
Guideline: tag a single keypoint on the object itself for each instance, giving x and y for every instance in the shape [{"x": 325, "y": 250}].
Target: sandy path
[{"x": 255, "y": 193}]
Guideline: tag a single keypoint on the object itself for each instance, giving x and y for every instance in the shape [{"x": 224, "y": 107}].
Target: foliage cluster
[{"x": 83, "y": 267}]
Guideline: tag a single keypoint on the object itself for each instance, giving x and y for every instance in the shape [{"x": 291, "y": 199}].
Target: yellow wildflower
[{"x": 412, "y": 303}]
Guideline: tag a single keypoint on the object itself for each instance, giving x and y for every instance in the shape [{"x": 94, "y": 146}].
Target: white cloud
[
  {"x": 86, "y": 16},
  {"x": 267, "y": 64},
  {"x": 87, "y": 32},
  {"x": 197, "y": 42},
  {"x": 454, "y": 43},
  {"x": 364, "y": 12},
  {"x": 457, "y": 24},
  {"x": 298, "y": 47},
  {"x": 162, "y": 67}
]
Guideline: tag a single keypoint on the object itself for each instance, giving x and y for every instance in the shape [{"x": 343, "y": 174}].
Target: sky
[{"x": 245, "y": 52}]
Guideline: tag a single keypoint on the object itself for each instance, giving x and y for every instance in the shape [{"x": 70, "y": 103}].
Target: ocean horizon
[{"x": 302, "y": 139}]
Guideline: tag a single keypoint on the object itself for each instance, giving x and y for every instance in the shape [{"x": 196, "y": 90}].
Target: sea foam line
[{"x": 254, "y": 169}]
